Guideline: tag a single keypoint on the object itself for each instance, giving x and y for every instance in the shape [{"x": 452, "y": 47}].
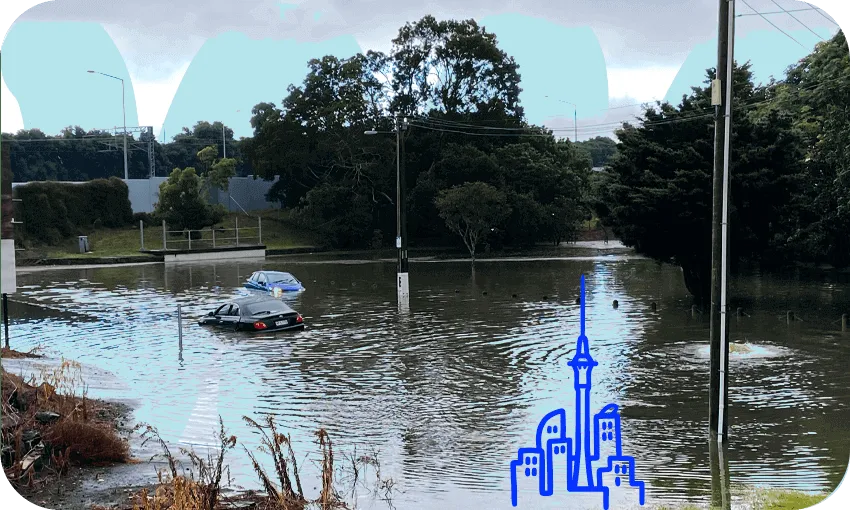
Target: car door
[
  {"x": 261, "y": 280},
  {"x": 230, "y": 319},
  {"x": 219, "y": 314}
]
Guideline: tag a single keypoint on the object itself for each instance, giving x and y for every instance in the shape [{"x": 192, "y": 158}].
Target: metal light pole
[
  {"x": 402, "y": 284},
  {"x": 575, "y": 117},
  {"x": 124, "y": 114}
]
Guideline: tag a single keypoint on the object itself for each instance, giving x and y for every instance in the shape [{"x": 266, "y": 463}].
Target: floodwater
[{"x": 447, "y": 391}]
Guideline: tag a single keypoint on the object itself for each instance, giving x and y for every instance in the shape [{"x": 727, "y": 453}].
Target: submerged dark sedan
[{"x": 261, "y": 313}]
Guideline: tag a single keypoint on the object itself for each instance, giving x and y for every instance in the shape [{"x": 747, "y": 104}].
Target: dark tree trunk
[{"x": 698, "y": 281}]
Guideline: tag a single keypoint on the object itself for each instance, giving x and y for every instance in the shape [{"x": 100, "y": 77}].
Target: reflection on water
[{"x": 448, "y": 390}]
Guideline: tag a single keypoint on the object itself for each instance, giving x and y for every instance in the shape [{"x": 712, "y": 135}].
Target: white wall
[{"x": 247, "y": 192}]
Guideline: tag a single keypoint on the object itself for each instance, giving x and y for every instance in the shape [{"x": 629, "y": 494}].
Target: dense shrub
[
  {"x": 148, "y": 219},
  {"x": 52, "y": 211}
]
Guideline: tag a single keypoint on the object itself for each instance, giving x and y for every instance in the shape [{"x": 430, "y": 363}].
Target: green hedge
[{"x": 53, "y": 211}]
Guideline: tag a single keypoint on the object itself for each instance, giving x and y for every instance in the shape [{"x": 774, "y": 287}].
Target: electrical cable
[
  {"x": 772, "y": 24},
  {"x": 798, "y": 20}
]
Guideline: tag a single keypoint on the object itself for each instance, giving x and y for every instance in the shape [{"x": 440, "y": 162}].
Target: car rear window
[
  {"x": 266, "y": 307},
  {"x": 282, "y": 278}
]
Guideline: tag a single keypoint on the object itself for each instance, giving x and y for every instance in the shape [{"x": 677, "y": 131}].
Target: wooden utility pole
[{"x": 719, "y": 326}]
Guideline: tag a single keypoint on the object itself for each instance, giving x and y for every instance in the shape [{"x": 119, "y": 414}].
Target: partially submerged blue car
[{"x": 269, "y": 281}]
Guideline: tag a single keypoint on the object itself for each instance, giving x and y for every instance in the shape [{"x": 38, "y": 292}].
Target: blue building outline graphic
[{"x": 560, "y": 463}]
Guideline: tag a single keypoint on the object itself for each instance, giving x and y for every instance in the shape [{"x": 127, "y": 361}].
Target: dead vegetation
[
  {"x": 50, "y": 426},
  {"x": 8, "y": 353},
  {"x": 282, "y": 489}
]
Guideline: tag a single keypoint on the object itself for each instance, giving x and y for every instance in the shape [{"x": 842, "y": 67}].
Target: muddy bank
[{"x": 103, "y": 483}]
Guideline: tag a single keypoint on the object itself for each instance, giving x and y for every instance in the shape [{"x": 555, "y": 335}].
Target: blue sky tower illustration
[
  {"x": 561, "y": 464},
  {"x": 582, "y": 363}
]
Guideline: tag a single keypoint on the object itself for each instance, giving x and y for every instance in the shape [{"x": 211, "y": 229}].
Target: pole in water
[
  {"x": 789, "y": 316},
  {"x": 6, "y": 317},
  {"x": 844, "y": 323},
  {"x": 180, "y": 328},
  {"x": 653, "y": 306}
]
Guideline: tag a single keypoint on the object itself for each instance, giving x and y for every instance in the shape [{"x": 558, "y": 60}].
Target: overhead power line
[
  {"x": 824, "y": 15},
  {"x": 772, "y": 24},
  {"x": 783, "y": 11},
  {"x": 798, "y": 20}
]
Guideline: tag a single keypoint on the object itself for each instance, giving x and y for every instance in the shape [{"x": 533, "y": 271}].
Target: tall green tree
[
  {"x": 182, "y": 203},
  {"x": 816, "y": 96},
  {"x": 472, "y": 210},
  {"x": 599, "y": 149},
  {"x": 454, "y": 67},
  {"x": 658, "y": 191}
]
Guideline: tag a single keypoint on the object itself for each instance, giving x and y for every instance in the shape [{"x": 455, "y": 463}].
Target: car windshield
[
  {"x": 282, "y": 278},
  {"x": 266, "y": 307}
]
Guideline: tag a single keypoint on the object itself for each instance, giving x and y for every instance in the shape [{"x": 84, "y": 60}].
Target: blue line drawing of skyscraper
[
  {"x": 582, "y": 363},
  {"x": 559, "y": 464}
]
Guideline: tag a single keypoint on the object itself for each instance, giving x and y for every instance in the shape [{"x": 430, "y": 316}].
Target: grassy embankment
[{"x": 125, "y": 242}]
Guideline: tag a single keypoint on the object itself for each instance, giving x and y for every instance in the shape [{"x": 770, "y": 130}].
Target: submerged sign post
[{"x": 588, "y": 460}]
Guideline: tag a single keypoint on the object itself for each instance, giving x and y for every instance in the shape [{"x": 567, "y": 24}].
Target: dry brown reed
[
  {"x": 179, "y": 492},
  {"x": 87, "y": 443},
  {"x": 282, "y": 490},
  {"x": 72, "y": 437}
]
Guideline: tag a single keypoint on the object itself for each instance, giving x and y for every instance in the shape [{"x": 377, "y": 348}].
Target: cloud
[
  {"x": 164, "y": 31},
  {"x": 154, "y": 98},
  {"x": 644, "y": 83},
  {"x": 157, "y": 37},
  {"x": 642, "y": 41},
  {"x": 11, "y": 119}
]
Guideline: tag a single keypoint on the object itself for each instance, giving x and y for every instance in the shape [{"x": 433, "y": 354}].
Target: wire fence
[{"x": 200, "y": 239}]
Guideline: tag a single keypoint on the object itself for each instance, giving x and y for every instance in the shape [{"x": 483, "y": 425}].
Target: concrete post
[
  {"x": 164, "y": 235},
  {"x": 142, "y": 234}
]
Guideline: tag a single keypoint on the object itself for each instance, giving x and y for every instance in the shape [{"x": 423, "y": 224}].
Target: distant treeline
[{"x": 79, "y": 155}]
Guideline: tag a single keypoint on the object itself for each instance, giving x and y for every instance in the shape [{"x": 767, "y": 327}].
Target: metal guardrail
[{"x": 210, "y": 237}]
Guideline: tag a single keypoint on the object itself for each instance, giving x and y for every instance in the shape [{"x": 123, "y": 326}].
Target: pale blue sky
[{"x": 45, "y": 63}]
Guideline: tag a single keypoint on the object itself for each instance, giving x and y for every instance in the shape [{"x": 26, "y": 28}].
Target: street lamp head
[
  {"x": 370, "y": 132},
  {"x": 89, "y": 71}
]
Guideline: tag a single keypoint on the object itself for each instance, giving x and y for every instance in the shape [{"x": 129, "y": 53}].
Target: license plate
[{"x": 281, "y": 323}]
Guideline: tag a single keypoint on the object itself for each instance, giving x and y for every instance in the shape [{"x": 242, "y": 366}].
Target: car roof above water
[
  {"x": 281, "y": 274},
  {"x": 246, "y": 302}
]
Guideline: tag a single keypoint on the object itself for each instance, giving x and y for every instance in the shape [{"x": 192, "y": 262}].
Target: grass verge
[
  {"x": 760, "y": 499},
  {"x": 278, "y": 232}
]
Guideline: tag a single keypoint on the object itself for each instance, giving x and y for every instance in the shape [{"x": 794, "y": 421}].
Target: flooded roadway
[{"x": 449, "y": 391}]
